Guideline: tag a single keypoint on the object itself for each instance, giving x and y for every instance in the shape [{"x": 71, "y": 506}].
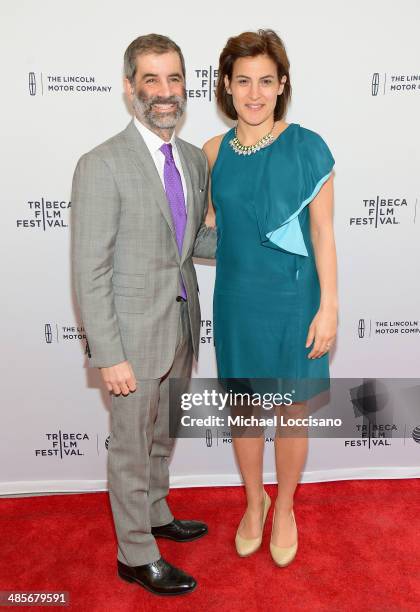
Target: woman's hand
[
  {"x": 210, "y": 220},
  {"x": 323, "y": 330}
]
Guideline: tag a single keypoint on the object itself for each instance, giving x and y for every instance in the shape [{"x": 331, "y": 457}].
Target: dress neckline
[{"x": 232, "y": 131}]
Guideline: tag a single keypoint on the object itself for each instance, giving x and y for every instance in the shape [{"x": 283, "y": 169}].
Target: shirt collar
[{"x": 152, "y": 140}]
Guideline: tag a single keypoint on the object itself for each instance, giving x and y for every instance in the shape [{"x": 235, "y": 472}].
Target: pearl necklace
[{"x": 241, "y": 149}]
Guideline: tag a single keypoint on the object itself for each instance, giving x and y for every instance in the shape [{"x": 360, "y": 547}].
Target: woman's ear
[
  {"x": 282, "y": 84},
  {"x": 227, "y": 85}
]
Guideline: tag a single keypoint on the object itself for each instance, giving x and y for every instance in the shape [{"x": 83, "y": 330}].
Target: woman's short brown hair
[{"x": 251, "y": 44}]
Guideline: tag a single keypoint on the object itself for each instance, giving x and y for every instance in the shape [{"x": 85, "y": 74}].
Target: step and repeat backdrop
[{"x": 355, "y": 72}]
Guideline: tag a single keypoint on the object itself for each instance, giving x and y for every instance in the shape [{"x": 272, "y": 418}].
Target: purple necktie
[{"x": 175, "y": 195}]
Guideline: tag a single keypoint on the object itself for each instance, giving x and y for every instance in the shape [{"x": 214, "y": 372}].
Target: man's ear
[
  {"x": 227, "y": 85},
  {"x": 128, "y": 88}
]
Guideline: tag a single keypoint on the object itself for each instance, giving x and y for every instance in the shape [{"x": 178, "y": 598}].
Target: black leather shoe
[
  {"x": 181, "y": 531},
  {"x": 159, "y": 577}
]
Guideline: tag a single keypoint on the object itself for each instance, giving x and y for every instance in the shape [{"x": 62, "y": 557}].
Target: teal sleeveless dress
[{"x": 267, "y": 287}]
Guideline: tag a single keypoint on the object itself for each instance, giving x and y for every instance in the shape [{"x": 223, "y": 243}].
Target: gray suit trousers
[{"x": 139, "y": 451}]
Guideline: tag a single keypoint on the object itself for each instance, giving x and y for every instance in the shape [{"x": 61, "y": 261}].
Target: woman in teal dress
[{"x": 275, "y": 298}]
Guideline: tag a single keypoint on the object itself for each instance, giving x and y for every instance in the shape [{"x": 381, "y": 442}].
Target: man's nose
[{"x": 165, "y": 89}]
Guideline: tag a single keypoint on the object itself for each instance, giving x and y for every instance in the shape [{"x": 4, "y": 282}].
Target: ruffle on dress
[{"x": 291, "y": 174}]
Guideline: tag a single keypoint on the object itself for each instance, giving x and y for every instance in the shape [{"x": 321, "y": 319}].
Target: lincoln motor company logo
[
  {"x": 43, "y": 84},
  {"x": 209, "y": 438},
  {"x": 385, "y": 83},
  {"x": 32, "y": 84},
  {"x": 361, "y": 328},
  {"x": 220, "y": 437},
  {"x": 56, "y": 333},
  {"x": 369, "y": 328}
]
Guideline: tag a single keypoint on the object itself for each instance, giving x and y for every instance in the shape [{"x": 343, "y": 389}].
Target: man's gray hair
[{"x": 150, "y": 43}]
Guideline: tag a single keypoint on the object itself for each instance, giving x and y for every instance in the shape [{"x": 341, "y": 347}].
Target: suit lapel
[
  {"x": 144, "y": 160},
  {"x": 191, "y": 208}
]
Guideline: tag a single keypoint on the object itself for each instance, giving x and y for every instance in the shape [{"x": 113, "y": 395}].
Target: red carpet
[{"x": 359, "y": 549}]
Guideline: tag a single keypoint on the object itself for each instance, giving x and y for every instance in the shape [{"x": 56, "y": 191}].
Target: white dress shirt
[{"x": 153, "y": 143}]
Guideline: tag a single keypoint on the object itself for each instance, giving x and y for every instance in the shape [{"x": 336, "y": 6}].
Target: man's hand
[{"x": 119, "y": 378}]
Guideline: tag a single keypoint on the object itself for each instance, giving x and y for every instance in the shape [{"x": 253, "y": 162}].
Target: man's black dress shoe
[
  {"x": 181, "y": 531},
  {"x": 159, "y": 577}
]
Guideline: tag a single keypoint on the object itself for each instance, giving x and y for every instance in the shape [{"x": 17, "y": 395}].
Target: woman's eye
[{"x": 267, "y": 81}]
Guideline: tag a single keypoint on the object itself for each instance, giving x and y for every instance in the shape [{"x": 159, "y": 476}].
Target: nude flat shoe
[
  {"x": 247, "y": 546},
  {"x": 283, "y": 555}
]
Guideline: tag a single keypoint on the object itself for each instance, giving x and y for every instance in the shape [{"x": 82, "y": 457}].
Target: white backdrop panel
[{"x": 350, "y": 84}]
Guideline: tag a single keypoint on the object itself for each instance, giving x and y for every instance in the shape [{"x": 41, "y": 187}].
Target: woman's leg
[
  {"x": 291, "y": 449},
  {"x": 249, "y": 455}
]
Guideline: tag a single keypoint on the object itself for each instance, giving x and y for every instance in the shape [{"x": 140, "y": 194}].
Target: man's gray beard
[{"x": 143, "y": 108}]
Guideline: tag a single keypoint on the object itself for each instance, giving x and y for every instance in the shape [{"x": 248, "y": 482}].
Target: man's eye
[
  {"x": 175, "y": 80},
  {"x": 150, "y": 80}
]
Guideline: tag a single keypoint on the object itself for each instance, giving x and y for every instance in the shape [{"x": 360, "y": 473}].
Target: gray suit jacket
[{"x": 126, "y": 264}]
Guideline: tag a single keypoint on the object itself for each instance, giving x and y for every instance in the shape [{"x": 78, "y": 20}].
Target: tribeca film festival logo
[
  {"x": 370, "y": 328},
  {"x": 204, "y": 81},
  {"x": 382, "y": 84},
  {"x": 63, "y": 444},
  {"x": 369, "y": 400},
  {"x": 55, "y": 333},
  {"x": 206, "y": 336},
  {"x": 45, "y": 214},
  {"x": 372, "y": 435},
  {"x": 381, "y": 211},
  {"x": 44, "y": 84}
]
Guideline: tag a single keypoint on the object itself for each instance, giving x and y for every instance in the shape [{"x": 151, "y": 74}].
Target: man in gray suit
[{"x": 138, "y": 205}]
